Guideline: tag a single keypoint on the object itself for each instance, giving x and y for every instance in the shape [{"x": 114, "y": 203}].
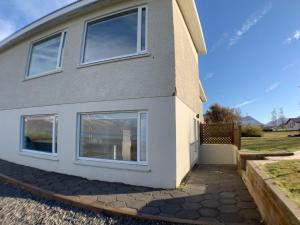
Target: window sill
[
  {"x": 113, "y": 165},
  {"x": 51, "y": 157},
  {"x": 117, "y": 59},
  {"x": 43, "y": 74}
]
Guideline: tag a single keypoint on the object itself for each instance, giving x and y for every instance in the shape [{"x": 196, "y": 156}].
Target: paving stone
[
  {"x": 227, "y": 201},
  {"x": 231, "y": 218},
  {"x": 116, "y": 204},
  {"x": 179, "y": 194},
  {"x": 227, "y": 194},
  {"x": 188, "y": 214},
  {"x": 210, "y": 203},
  {"x": 250, "y": 213},
  {"x": 191, "y": 206},
  {"x": 245, "y": 198},
  {"x": 161, "y": 196},
  {"x": 212, "y": 194},
  {"x": 150, "y": 210},
  {"x": 198, "y": 198},
  {"x": 246, "y": 205},
  {"x": 169, "y": 209},
  {"x": 228, "y": 209},
  {"x": 207, "y": 212},
  {"x": 135, "y": 204},
  {"x": 106, "y": 198}
]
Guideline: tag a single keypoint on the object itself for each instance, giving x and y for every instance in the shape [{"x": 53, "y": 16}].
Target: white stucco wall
[
  {"x": 151, "y": 75},
  {"x": 216, "y": 154},
  {"x": 187, "y": 139},
  {"x": 186, "y": 64},
  {"x": 160, "y": 172}
]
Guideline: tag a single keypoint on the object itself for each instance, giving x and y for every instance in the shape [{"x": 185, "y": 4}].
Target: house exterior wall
[
  {"x": 161, "y": 142},
  {"x": 291, "y": 125},
  {"x": 187, "y": 139},
  {"x": 188, "y": 102},
  {"x": 186, "y": 64},
  {"x": 143, "y": 83},
  {"x": 148, "y": 76}
]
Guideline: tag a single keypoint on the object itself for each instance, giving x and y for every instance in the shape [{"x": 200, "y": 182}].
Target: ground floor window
[
  {"x": 40, "y": 134},
  {"x": 118, "y": 136}
]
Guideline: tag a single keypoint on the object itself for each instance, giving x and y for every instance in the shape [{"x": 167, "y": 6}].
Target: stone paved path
[{"x": 212, "y": 194}]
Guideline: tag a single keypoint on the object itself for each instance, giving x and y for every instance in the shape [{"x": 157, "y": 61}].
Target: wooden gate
[{"x": 220, "y": 133}]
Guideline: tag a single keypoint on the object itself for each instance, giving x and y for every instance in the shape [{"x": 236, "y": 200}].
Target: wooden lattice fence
[{"x": 220, "y": 134}]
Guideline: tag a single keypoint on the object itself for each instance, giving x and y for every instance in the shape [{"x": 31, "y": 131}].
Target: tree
[
  {"x": 220, "y": 114},
  {"x": 281, "y": 117},
  {"x": 274, "y": 117}
]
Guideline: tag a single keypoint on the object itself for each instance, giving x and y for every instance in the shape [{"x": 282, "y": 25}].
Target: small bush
[{"x": 251, "y": 131}]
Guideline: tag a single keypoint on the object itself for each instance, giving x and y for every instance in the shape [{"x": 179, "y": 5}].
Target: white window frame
[
  {"x": 59, "y": 64},
  {"x": 139, "y": 36},
  {"x": 54, "y": 135},
  {"x": 138, "y": 162}
]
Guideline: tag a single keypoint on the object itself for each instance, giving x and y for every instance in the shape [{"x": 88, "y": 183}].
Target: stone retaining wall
[{"x": 274, "y": 206}]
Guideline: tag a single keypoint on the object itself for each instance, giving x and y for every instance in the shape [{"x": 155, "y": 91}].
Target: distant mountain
[
  {"x": 277, "y": 123},
  {"x": 249, "y": 120}
]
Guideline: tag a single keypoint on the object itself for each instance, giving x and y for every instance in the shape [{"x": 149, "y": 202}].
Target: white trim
[
  {"x": 113, "y": 165},
  {"x": 139, "y": 31},
  {"x": 78, "y": 139},
  {"x": 138, "y": 49},
  {"x": 44, "y": 74},
  {"x": 37, "y": 152},
  {"x": 59, "y": 64},
  {"x": 34, "y": 154}
]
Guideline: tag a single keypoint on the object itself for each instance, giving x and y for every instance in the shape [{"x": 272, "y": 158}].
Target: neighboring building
[
  {"x": 293, "y": 124},
  {"x": 107, "y": 90}
]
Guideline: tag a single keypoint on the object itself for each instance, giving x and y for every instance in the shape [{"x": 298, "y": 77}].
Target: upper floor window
[
  {"x": 119, "y": 35},
  {"x": 46, "y": 55}
]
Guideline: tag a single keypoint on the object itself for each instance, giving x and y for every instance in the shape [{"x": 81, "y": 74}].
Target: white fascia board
[{"x": 189, "y": 11}]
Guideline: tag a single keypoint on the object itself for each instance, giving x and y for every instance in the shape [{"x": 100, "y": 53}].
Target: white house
[
  {"x": 293, "y": 124},
  {"x": 106, "y": 90}
]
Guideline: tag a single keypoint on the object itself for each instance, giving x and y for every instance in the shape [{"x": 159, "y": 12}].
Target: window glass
[
  {"x": 45, "y": 55},
  {"x": 143, "y": 47},
  {"x": 111, "y": 136},
  {"x": 115, "y": 36},
  {"x": 143, "y": 139},
  {"x": 38, "y": 134}
]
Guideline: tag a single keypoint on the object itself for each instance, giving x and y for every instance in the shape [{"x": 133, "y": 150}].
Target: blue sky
[{"x": 253, "y": 60}]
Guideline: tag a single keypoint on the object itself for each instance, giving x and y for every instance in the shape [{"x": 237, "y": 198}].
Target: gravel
[{"x": 20, "y": 207}]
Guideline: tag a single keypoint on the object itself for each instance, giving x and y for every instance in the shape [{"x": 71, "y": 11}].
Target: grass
[
  {"x": 286, "y": 175},
  {"x": 272, "y": 142}
]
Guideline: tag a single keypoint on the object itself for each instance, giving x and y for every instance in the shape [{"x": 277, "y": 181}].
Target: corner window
[
  {"x": 40, "y": 134},
  {"x": 115, "y": 36},
  {"x": 46, "y": 55},
  {"x": 113, "y": 136}
]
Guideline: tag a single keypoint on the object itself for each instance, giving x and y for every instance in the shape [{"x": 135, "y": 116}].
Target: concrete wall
[
  {"x": 147, "y": 76},
  {"x": 217, "y": 154},
  {"x": 161, "y": 143},
  {"x": 186, "y": 64}
]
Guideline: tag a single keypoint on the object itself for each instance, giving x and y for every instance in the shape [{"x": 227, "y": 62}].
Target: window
[
  {"x": 118, "y": 35},
  {"x": 40, "y": 134},
  {"x": 114, "y": 136},
  {"x": 46, "y": 55}
]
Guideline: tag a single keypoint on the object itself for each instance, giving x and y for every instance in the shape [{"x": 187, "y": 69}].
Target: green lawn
[
  {"x": 286, "y": 174},
  {"x": 272, "y": 142}
]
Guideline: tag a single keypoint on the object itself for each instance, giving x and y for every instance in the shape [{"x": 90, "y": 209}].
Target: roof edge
[
  {"x": 189, "y": 11},
  {"x": 61, "y": 12}
]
